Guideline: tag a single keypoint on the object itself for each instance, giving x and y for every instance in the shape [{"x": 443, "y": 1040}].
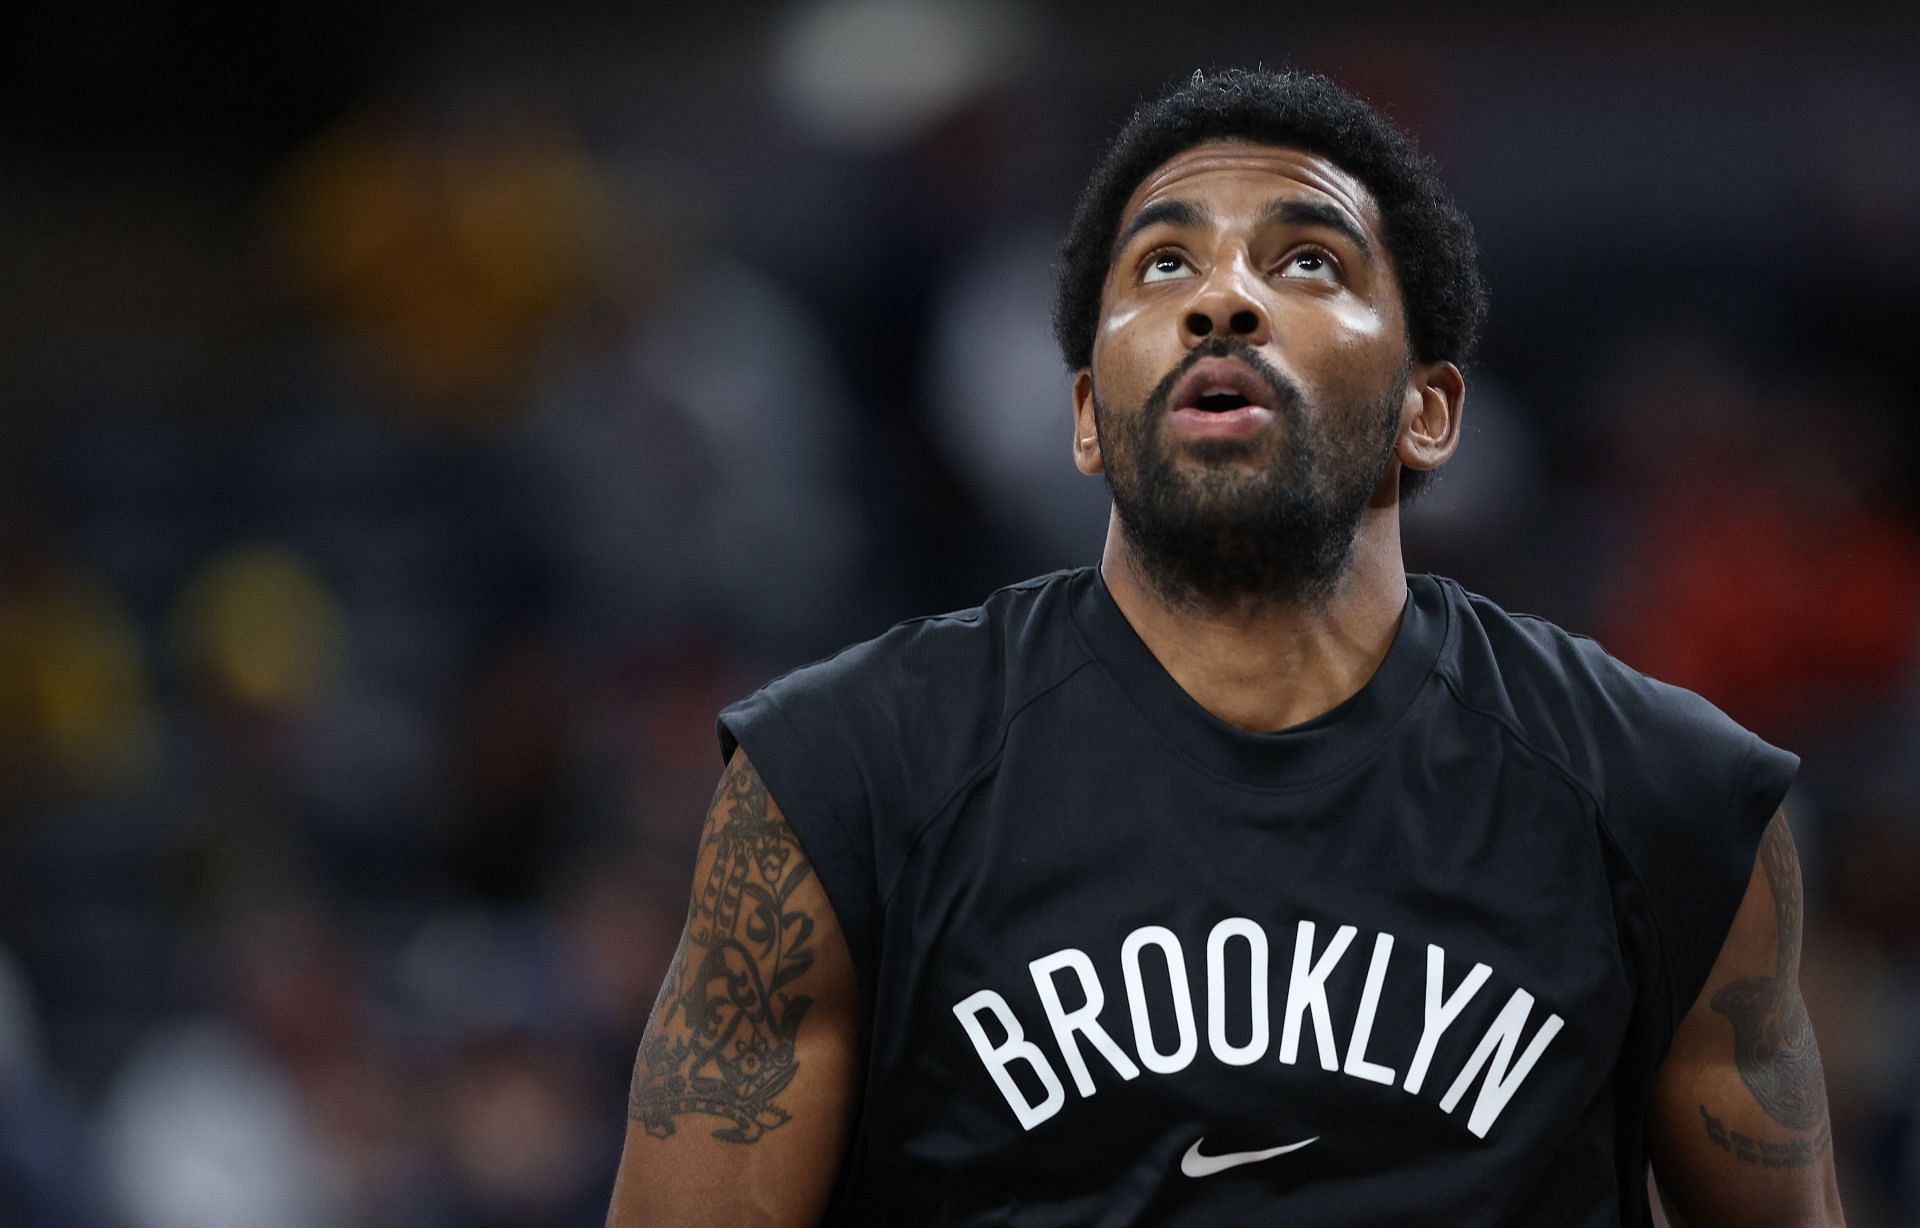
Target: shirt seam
[
  {"x": 967, "y": 780},
  {"x": 1600, "y": 817},
  {"x": 973, "y": 614}
]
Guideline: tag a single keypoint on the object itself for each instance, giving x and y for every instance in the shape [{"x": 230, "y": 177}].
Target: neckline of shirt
[{"x": 1297, "y": 755}]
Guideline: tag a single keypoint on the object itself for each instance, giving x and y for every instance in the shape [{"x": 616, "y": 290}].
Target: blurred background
[{"x": 415, "y": 422}]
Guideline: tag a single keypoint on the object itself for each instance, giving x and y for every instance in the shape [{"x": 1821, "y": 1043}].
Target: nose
[{"x": 1223, "y": 305}]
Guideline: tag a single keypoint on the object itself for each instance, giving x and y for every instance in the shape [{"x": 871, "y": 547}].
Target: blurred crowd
[{"x": 413, "y": 430}]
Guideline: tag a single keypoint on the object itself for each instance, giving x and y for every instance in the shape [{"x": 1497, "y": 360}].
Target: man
[{"x": 1244, "y": 879}]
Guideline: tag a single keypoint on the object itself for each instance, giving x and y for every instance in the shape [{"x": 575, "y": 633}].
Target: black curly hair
[{"x": 1427, "y": 236}]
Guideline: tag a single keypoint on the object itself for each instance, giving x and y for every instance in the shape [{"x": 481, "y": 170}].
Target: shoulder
[
  {"x": 966, "y": 667},
  {"x": 878, "y": 733},
  {"x": 859, "y": 749},
  {"x": 1632, "y": 741},
  {"x": 1681, "y": 791}
]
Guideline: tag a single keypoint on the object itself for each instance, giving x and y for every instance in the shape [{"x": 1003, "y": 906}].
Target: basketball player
[{"x": 1243, "y": 879}]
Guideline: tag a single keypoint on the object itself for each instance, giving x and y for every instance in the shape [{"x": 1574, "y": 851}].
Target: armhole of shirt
[{"x": 821, "y": 830}]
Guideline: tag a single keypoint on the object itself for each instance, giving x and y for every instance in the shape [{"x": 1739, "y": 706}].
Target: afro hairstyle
[{"x": 1427, "y": 237}]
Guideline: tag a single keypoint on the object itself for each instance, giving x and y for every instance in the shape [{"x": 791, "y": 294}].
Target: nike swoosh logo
[{"x": 1193, "y": 1164}]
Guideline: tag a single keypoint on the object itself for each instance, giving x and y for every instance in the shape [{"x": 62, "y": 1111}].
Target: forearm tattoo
[
  {"x": 1772, "y": 1036},
  {"x": 721, "y": 1040}
]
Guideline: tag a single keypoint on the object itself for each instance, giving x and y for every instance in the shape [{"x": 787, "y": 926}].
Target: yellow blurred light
[
  {"x": 258, "y": 624},
  {"x": 75, "y": 699},
  {"x": 447, "y": 253}
]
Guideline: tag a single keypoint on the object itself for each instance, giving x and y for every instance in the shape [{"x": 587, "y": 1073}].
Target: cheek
[
  {"x": 1344, "y": 322},
  {"x": 1115, "y": 323},
  {"x": 1122, "y": 356},
  {"x": 1375, "y": 337},
  {"x": 1349, "y": 344}
]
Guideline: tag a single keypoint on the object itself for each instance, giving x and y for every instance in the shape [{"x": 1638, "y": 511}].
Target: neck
[{"x": 1266, "y": 663}]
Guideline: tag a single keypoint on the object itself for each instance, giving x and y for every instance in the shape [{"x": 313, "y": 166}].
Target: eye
[
  {"x": 1310, "y": 264},
  {"x": 1165, "y": 266}
]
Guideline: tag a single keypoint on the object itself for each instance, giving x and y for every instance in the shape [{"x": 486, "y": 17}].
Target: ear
[
  {"x": 1430, "y": 415},
  {"x": 1086, "y": 436}
]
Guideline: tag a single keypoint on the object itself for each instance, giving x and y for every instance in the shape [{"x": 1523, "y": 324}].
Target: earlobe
[
  {"x": 1436, "y": 396},
  {"x": 1086, "y": 435}
]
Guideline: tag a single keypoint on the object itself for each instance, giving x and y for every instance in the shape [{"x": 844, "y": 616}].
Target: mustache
[{"x": 1286, "y": 397}]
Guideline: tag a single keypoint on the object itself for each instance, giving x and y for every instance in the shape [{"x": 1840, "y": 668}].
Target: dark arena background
[{"x": 416, "y": 422}]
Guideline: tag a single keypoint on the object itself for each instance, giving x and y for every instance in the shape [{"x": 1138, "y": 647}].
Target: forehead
[{"x": 1226, "y": 173}]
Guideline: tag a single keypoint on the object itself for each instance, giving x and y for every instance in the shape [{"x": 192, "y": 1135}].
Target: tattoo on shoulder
[
  {"x": 1772, "y": 1037},
  {"x": 721, "y": 1041}
]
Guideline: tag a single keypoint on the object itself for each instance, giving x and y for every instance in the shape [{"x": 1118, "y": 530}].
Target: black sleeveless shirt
[{"x": 1414, "y": 961}]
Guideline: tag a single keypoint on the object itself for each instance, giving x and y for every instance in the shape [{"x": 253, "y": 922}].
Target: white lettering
[
  {"x": 1085, "y": 1020},
  {"x": 1150, "y": 1057},
  {"x": 1501, "y": 1083},
  {"x": 1307, "y": 990},
  {"x": 1500, "y": 1063},
  {"x": 1256, "y": 940},
  {"x": 1357, "y": 1064},
  {"x": 1016, "y": 1048},
  {"x": 1440, "y": 1014}
]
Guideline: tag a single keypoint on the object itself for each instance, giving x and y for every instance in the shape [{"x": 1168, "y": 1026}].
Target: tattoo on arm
[
  {"x": 1772, "y": 1036},
  {"x": 721, "y": 1040},
  {"x": 1796, "y": 1154}
]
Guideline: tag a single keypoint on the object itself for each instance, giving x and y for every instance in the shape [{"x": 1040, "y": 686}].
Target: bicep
[
  {"x": 1737, "y": 1125},
  {"x": 744, "y": 1083}
]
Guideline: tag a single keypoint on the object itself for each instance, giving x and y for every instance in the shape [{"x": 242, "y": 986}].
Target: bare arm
[
  {"x": 1737, "y": 1125},
  {"x": 745, "y": 1081}
]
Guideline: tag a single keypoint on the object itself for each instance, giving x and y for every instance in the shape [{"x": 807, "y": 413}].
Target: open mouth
[
  {"x": 1220, "y": 402},
  {"x": 1221, "y": 399},
  {"x": 1221, "y": 386}
]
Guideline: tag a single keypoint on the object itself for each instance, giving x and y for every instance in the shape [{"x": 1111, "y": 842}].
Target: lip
[
  {"x": 1238, "y": 423},
  {"x": 1220, "y": 375},
  {"x": 1224, "y": 375}
]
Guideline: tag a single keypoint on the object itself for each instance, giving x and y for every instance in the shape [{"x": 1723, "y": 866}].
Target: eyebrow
[
  {"x": 1288, "y": 210},
  {"x": 1171, "y": 211},
  {"x": 1316, "y": 213}
]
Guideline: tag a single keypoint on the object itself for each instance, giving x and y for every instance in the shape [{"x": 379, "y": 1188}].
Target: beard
[{"x": 1221, "y": 532}]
